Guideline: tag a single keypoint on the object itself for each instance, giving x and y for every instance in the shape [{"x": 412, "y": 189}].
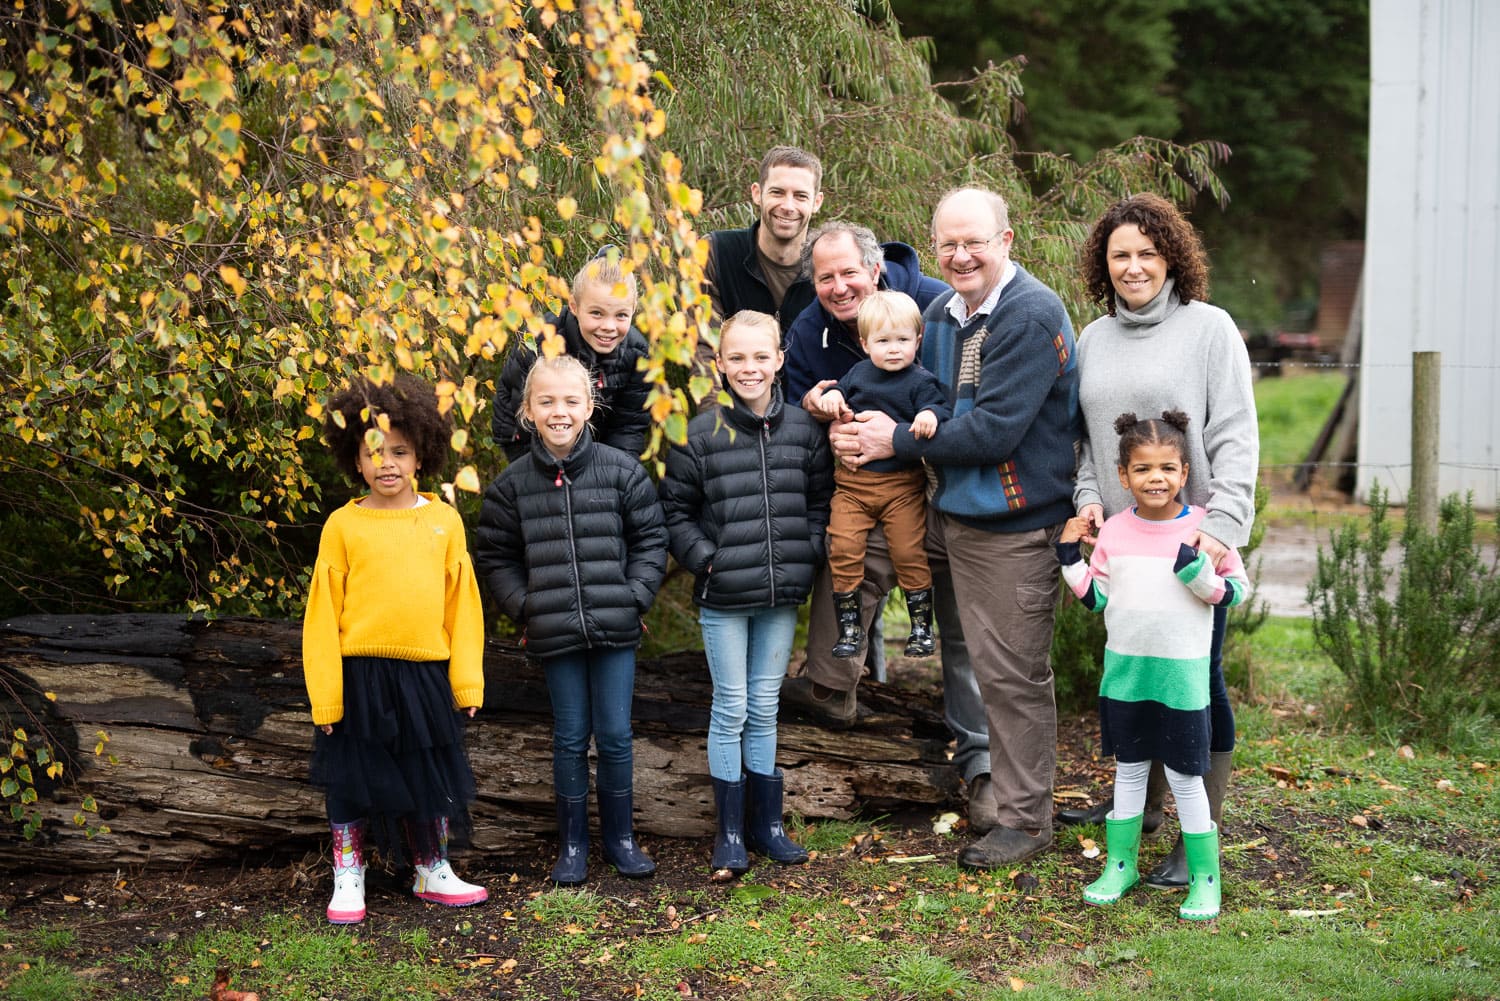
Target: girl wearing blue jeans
[
  {"x": 571, "y": 544},
  {"x": 746, "y": 501}
]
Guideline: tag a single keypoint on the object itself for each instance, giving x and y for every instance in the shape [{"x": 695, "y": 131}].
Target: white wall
[{"x": 1432, "y": 250}]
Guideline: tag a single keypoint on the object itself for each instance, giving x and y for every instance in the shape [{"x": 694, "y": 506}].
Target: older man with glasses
[{"x": 1003, "y": 345}]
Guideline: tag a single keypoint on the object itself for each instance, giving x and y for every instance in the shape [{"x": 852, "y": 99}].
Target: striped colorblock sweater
[{"x": 1157, "y": 595}]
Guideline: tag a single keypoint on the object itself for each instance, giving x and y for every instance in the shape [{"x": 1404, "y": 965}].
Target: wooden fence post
[{"x": 1426, "y": 380}]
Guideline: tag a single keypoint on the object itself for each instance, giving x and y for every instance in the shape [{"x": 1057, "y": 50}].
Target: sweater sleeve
[
  {"x": 1085, "y": 476},
  {"x": 645, "y": 538},
  {"x": 1016, "y": 371},
  {"x": 929, "y": 394},
  {"x": 682, "y": 503},
  {"x": 322, "y": 659},
  {"x": 1231, "y": 437},
  {"x": 1089, "y": 581},
  {"x": 463, "y": 620},
  {"x": 1226, "y": 586}
]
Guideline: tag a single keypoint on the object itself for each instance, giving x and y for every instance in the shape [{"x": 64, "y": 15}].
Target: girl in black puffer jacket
[
  {"x": 746, "y": 500},
  {"x": 572, "y": 545},
  {"x": 595, "y": 327}
]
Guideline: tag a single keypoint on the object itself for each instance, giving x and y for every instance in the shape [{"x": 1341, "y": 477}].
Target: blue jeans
[
  {"x": 747, "y": 654},
  {"x": 591, "y": 692}
]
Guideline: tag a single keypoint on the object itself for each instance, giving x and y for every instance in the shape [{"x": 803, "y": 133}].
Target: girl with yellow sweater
[{"x": 393, "y": 650}]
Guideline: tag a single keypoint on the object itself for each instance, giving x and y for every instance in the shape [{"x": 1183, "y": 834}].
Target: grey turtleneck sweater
[{"x": 1171, "y": 356}]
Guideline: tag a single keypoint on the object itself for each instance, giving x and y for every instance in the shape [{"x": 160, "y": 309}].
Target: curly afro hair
[
  {"x": 409, "y": 404},
  {"x": 1173, "y": 236}
]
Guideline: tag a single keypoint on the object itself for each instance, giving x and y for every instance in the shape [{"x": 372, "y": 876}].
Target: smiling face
[
  {"x": 786, "y": 202},
  {"x": 559, "y": 405},
  {"x": 391, "y": 472},
  {"x": 749, "y": 358},
  {"x": 972, "y": 244},
  {"x": 1136, "y": 269},
  {"x": 604, "y": 312},
  {"x": 840, "y": 277},
  {"x": 1155, "y": 476}
]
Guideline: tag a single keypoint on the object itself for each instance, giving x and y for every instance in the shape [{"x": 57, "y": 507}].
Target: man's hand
[
  {"x": 864, "y": 439},
  {"x": 924, "y": 425}
]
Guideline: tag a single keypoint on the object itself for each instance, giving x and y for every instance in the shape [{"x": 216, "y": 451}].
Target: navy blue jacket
[{"x": 819, "y": 347}]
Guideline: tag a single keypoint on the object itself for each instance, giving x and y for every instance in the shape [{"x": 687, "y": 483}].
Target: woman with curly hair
[{"x": 1161, "y": 346}]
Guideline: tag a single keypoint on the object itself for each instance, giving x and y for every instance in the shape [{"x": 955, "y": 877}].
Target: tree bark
[{"x": 208, "y": 724}]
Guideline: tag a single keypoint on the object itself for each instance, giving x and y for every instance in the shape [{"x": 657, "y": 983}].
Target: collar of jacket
[
  {"x": 742, "y": 418},
  {"x": 551, "y": 465}
]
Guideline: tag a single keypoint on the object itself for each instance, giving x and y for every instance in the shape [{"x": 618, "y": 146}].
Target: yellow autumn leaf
[
  {"x": 230, "y": 275},
  {"x": 467, "y": 480},
  {"x": 566, "y": 208}
]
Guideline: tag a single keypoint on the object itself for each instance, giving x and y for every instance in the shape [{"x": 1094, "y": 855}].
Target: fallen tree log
[{"x": 208, "y": 724}]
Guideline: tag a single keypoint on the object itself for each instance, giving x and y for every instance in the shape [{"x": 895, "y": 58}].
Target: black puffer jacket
[
  {"x": 620, "y": 420},
  {"x": 574, "y": 550},
  {"x": 747, "y": 505}
]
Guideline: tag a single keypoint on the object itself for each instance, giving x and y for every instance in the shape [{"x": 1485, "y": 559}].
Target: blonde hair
[
  {"x": 605, "y": 272},
  {"x": 751, "y": 318},
  {"x": 562, "y": 365},
  {"x": 885, "y": 309}
]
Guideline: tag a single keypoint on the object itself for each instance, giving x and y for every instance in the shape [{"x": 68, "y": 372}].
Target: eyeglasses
[{"x": 971, "y": 247}]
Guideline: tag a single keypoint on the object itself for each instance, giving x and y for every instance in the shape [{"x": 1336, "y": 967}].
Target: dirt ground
[{"x": 115, "y": 914}]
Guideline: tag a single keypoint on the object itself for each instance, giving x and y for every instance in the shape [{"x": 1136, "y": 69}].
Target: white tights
[{"x": 1192, "y": 800}]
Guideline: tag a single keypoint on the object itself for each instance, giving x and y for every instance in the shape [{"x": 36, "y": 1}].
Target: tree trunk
[{"x": 209, "y": 728}]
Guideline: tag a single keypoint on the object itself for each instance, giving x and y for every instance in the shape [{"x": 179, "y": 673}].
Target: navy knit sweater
[
  {"x": 899, "y": 395},
  {"x": 1005, "y": 460}
]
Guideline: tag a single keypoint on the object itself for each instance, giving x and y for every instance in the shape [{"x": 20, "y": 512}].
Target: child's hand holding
[
  {"x": 924, "y": 425},
  {"x": 832, "y": 406},
  {"x": 1076, "y": 530}
]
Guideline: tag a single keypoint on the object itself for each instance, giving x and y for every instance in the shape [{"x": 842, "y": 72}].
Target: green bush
[{"x": 1419, "y": 651}]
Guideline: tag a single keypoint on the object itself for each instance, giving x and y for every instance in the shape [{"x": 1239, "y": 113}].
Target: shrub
[{"x": 1417, "y": 640}]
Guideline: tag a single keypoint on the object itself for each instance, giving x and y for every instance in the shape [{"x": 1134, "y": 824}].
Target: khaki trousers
[
  {"x": 897, "y": 502},
  {"x": 1006, "y": 585}
]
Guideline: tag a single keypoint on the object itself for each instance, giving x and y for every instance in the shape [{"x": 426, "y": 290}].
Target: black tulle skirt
[{"x": 396, "y": 759}]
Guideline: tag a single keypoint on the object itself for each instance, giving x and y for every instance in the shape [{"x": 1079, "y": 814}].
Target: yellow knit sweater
[{"x": 396, "y": 584}]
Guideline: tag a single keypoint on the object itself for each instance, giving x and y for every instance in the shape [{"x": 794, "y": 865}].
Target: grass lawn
[
  {"x": 1352, "y": 869},
  {"x": 1291, "y": 410}
]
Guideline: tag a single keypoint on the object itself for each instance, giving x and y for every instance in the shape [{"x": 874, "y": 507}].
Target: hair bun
[
  {"x": 1125, "y": 422},
  {"x": 1177, "y": 419}
]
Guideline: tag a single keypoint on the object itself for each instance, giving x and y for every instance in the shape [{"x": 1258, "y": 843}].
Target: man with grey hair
[
  {"x": 1003, "y": 345},
  {"x": 846, "y": 264}
]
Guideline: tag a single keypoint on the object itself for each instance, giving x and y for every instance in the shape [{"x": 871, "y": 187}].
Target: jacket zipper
[
  {"x": 567, "y": 489},
  {"x": 765, "y": 488}
]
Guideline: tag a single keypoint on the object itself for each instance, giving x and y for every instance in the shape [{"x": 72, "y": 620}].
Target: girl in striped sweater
[{"x": 1157, "y": 594}]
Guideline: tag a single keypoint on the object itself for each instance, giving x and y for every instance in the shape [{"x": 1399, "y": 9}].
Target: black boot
[
  {"x": 572, "y": 866},
  {"x": 919, "y": 608},
  {"x": 851, "y": 636},
  {"x": 617, "y": 832},
  {"x": 1156, "y": 789},
  {"x": 729, "y": 843},
  {"x": 763, "y": 831},
  {"x": 1173, "y": 871}
]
